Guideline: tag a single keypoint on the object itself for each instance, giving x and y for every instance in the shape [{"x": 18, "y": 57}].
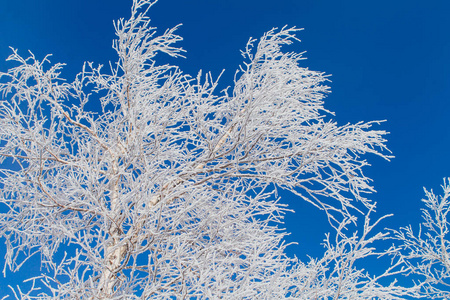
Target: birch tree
[{"x": 170, "y": 189}]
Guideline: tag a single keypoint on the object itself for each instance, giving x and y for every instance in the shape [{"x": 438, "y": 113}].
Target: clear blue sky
[{"x": 388, "y": 59}]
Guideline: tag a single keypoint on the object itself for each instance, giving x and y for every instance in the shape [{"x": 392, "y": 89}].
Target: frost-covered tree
[
  {"x": 427, "y": 251},
  {"x": 171, "y": 190}
]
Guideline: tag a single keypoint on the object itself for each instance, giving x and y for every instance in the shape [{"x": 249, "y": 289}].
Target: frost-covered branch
[
  {"x": 427, "y": 251},
  {"x": 341, "y": 272}
]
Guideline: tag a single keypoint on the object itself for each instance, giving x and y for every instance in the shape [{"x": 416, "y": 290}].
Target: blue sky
[{"x": 389, "y": 60}]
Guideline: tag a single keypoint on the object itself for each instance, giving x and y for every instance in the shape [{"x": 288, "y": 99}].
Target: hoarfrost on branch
[{"x": 171, "y": 188}]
